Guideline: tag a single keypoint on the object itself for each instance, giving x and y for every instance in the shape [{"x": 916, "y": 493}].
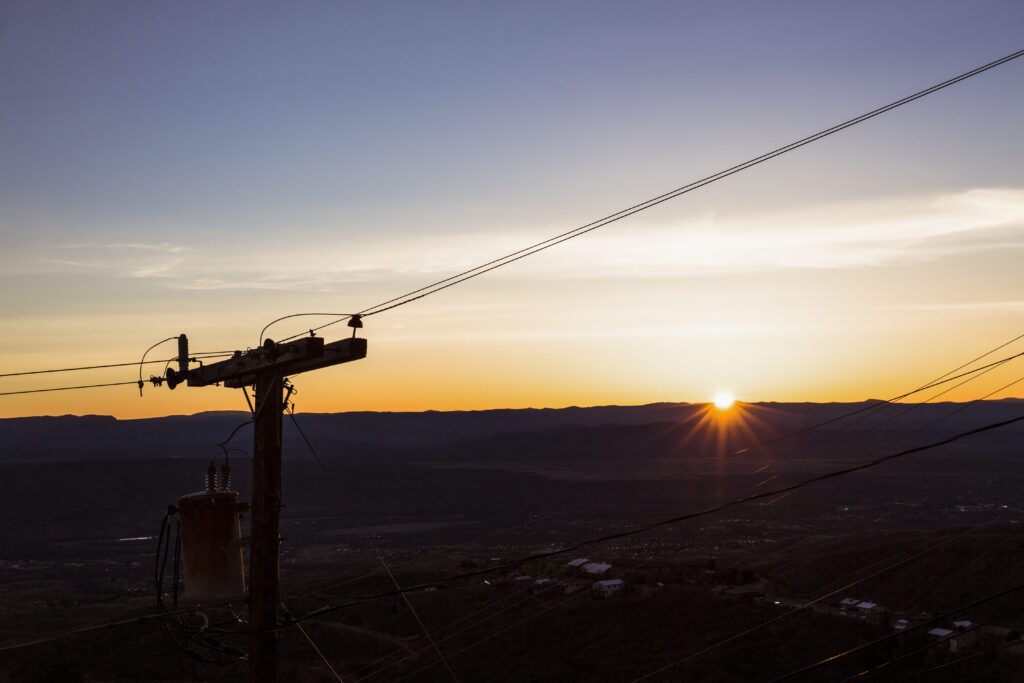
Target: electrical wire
[
  {"x": 81, "y": 386},
  {"x": 961, "y": 660},
  {"x": 377, "y": 552},
  {"x": 576, "y": 546},
  {"x": 873, "y": 406},
  {"x": 458, "y": 278},
  {"x": 316, "y": 648},
  {"x": 677, "y": 518},
  {"x": 560, "y": 603},
  {"x": 910, "y": 629},
  {"x": 296, "y": 315},
  {"x": 206, "y": 354},
  {"x": 889, "y": 662},
  {"x": 938, "y": 381},
  {"x": 143, "y": 359},
  {"x": 807, "y": 605},
  {"x": 98, "y": 627}
]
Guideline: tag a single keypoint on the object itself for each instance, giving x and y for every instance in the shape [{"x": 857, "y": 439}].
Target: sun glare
[{"x": 724, "y": 400}]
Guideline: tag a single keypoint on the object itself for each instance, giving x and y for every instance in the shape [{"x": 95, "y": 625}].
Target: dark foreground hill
[{"x": 82, "y": 498}]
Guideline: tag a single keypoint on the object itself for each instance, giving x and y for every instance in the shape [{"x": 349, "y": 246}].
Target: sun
[{"x": 724, "y": 400}]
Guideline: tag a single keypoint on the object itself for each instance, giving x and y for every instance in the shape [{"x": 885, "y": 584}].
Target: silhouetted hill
[{"x": 72, "y": 437}]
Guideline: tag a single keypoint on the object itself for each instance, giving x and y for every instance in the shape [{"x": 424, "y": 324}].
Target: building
[
  {"x": 867, "y": 607},
  {"x": 608, "y": 587},
  {"x": 901, "y": 624},
  {"x": 596, "y": 567},
  {"x": 847, "y": 603},
  {"x": 578, "y": 562}
]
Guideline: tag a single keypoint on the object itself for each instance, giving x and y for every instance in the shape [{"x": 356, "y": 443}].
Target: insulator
[
  {"x": 211, "y": 478},
  {"x": 225, "y": 477}
]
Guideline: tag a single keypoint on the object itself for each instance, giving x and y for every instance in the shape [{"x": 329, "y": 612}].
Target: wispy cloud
[
  {"x": 866, "y": 234},
  {"x": 852, "y": 235},
  {"x": 1012, "y": 306}
]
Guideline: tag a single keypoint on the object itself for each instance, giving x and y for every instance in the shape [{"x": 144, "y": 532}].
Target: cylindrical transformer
[{"x": 211, "y": 545}]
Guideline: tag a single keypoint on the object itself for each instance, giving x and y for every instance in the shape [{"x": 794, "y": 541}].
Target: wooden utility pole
[
  {"x": 264, "y": 555},
  {"x": 266, "y": 368}
]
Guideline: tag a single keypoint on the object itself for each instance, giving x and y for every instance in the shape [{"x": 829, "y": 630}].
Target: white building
[
  {"x": 608, "y": 587},
  {"x": 596, "y": 567},
  {"x": 867, "y": 607},
  {"x": 849, "y": 602},
  {"x": 578, "y": 562}
]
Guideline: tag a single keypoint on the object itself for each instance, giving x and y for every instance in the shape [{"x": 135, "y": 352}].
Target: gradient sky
[{"x": 172, "y": 167}]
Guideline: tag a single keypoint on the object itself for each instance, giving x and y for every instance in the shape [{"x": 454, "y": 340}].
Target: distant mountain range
[{"x": 91, "y": 437}]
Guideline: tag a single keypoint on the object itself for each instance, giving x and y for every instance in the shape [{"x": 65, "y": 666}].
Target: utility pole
[
  {"x": 264, "y": 554},
  {"x": 266, "y": 368}
]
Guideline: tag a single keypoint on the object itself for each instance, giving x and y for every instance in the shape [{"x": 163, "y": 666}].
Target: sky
[{"x": 204, "y": 168}]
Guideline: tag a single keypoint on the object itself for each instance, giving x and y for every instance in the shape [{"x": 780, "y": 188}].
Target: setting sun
[{"x": 724, "y": 400}]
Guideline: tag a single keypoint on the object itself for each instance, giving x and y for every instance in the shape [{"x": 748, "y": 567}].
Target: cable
[
  {"x": 873, "y": 406},
  {"x": 98, "y": 627},
  {"x": 820, "y": 598},
  {"x": 941, "y": 379},
  {"x": 929, "y": 646},
  {"x": 427, "y": 290},
  {"x": 809, "y": 604},
  {"x": 955, "y": 662},
  {"x": 676, "y": 519},
  {"x": 568, "y": 549},
  {"x": 208, "y": 354},
  {"x": 380, "y": 556},
  {"x": 745, "y": 450},
  {"x": 316, "y": 648},
  {"x": 143, "y": 359},
  {"x": 296, "y": 315},
  {"x": 82, "y": 386},
  {"x": 503, "y": 631},
  {"x": 892, "y": 636}
]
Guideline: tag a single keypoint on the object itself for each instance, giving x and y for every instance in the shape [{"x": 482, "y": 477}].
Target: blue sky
[{"x": 205, "y": 167}]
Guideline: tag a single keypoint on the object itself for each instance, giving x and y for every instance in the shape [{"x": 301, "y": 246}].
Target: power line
[
  {"x": 877, "y": 641},
  {"x": 98, "y": 627},
  {"x": 874, "y": 406},
  {"x": 815, "y": 601},
  {"x": 576, "y": 546},
  {"x": 677, "y": 518},
  {"x": 151, "y": 380},
  {"x": 316, "y": 648},
  {"x": 961, "y": 660},
  {"x": 296, "y": 315},
  {"x": 941, "y": 379},
  {"x": 458, "y": 278},
  {"x": 81, "y": 386},
  {"x": 809, "y": 604},
  {"x": 795, "y": 611},
  {"x": 572, "y": 596},
  {"x": 889, "y": 662},
  {"x": 208, "y": 354},
  {"x": 380, "y": 556}
]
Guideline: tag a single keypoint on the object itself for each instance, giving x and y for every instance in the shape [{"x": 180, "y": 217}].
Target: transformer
[{"x": 211, "y": 542}]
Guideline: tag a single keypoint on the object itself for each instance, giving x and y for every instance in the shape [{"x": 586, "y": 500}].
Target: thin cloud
[{"x": 961, "y": 307}]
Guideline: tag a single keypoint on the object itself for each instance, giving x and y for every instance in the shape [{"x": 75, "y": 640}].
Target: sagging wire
[
  {"x": 297, "y": 315},
  {"x": 142, "y": 361}
]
